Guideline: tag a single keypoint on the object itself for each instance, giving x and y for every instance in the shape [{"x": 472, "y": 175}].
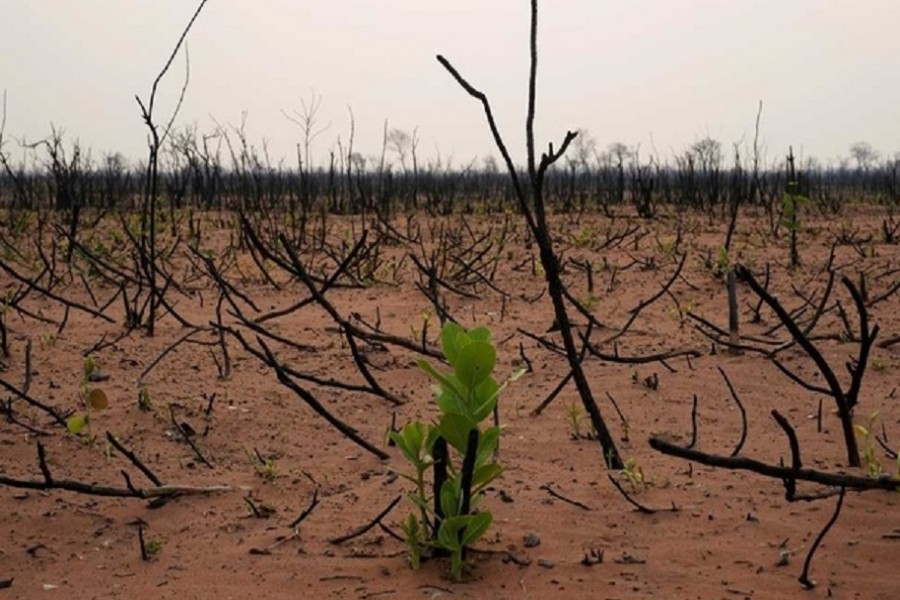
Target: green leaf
[
  {"x": 399, "y": 441},
  {"x": 414, "y": 434},
  {"x": 89, "y": 367},
  {"x": 411, "y": 453},
  {"x": 487, "y": 443},
  {"x": 446, "y": 384},
  {"x": 450, "y": 342},
  {"x": 486, "y": 395},
  {"x": 413, "y": 540},
  {"x": 485, "y": 474},
  {"x": 448, "y": 532},
  {"x": 476, "y": 527},
  {"x": 474, "y": 364},
  {"x": 455, "y": 428},
  {"x": 485, "y": 410},
  {"x": 76, "y": 423},
  {"x": 480, "y": 334},
  {"x": 450, "y": 498},
  {"x": 451, "y": 402}
]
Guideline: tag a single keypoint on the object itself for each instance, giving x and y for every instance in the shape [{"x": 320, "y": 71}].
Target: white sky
[{"x": 659, "y": 73}]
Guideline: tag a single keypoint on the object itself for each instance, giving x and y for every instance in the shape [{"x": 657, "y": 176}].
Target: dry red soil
[{"x": 733, "y": 535}]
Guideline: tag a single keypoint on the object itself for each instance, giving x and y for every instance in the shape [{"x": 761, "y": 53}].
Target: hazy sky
[{"x": 659, "y": 73}]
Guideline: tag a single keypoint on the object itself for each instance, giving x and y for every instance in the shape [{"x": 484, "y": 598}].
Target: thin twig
[
  {"x": 365, "y": 528},
  {"x": 804, "y": 579},
  {"x": 559, "y": 496}
]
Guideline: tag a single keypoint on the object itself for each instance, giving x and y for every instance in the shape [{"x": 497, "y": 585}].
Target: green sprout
[
  {"x": 144, "y": 401},
  {"x": 633, "y": 473},
  {"x": 455, "y": 449},
  {"x": 91, "y": 398},
  {"x": 265, "y": 468},
  {"x": 574, "y": 416},
  {"x": 864, "y": 432},
  {"x": 153, "y": 547}
]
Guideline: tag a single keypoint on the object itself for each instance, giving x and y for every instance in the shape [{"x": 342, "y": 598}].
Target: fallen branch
[
  {"x": 854, "y": 482},
  {"x": 365, "y": 528},
  {"x": 51, "y": 483}
]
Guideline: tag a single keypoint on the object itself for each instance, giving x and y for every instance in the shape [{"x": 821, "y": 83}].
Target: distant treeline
[{"x": 193, "y": 174}]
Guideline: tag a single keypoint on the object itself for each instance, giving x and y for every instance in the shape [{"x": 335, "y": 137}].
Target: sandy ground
[{"x": 726, "y": 539}]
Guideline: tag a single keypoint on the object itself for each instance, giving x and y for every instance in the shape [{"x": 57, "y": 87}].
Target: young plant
[
  {"x": 145, "y": 402},
  {"x": 791, "y": 204},
  {"x": 573, "y": 415},
  {"x": 91, "y": 398},
  {"x": 264, "y": 467},
  {"x": 456, "y": 450},
  {"x": 152, "y": 548},
  {"x": 633, "y": 473},
  {"x": 90, "y": 367},
  {"x": 722, "y": 264},
  {"x": 870, "y": 460}
]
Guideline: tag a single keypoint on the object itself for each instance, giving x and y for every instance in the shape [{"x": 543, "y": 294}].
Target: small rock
[
  {"x": 784, "y": 558},
  {"x": 547, "y": 564},
  {"x": 97, "y": 376},
  {"x": 531, "y": 540}
]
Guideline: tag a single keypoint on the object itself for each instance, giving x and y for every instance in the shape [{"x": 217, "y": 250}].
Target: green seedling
[
  {"x": 265, "y": 468},
  {"x": 573, "y": 415},
  {"x": 585, "y": 237},
  {"x": 633, "y": 473},
  {"x": 421, "y": 337},
  {"x": 90, "y": 367},
  {"x": 791, "y": 204},
  {"x": 680, "y": 310},
  {"x": 626, "y": 430},
  {"x": 870, "y": 459},
  {"x": 47, "y": 340},
  {"x": 144, "y": 401},
  {"x": 456, "y": 450},
  {"x": 93, "y": 399},
  {"x": 589, "y": 302},
  {"x": 153, "y": 547},
  {"x": 722, "y": 264}
]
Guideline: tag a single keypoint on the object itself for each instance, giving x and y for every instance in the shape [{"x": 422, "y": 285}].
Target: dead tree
[{"x": 531, "y": 202}]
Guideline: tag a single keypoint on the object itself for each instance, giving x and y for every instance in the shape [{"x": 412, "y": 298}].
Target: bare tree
[
  {"x": 156, "y": 139},
  {"x": 399, "y": 142},
  {"x": 583, "y": 148},
  {"x": 530, "y": 194},
  {"x": 308, "y": 120},
  {"x": 864, "y": 155}
]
